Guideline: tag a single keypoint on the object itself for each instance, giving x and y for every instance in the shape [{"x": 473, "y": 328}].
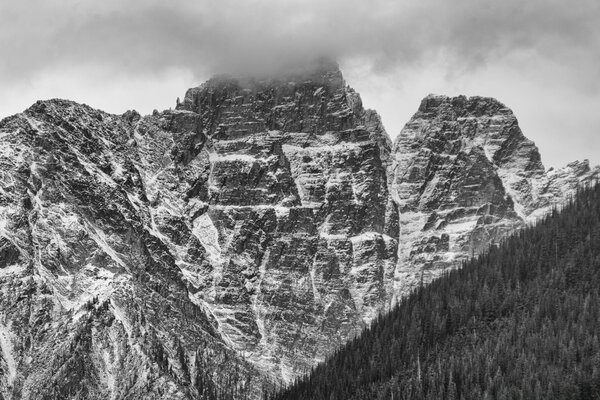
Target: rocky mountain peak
[
  {"x": 312, "y": 100},
  {"x": 94, "y": 304},
  {"x": 462, "y": 106},
  {"x": 298, "y": 224},
  {"x": 464, "y": 176},
  {"x": 464, "y": 123},
  {"x": 253, "y": 229}
]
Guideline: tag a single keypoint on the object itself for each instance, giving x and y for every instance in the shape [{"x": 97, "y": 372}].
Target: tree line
[{"x": 521, "y": 321}]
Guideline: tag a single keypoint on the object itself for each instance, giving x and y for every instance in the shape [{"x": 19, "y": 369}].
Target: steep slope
[
  {"x": 465, "y": 176},
  {"x": 520, "y": 321},
  {"x": 255, "y": 228},
  {"x": 298, "y": 220},
  {"x": 93, "y": 302},
  {"x": 252, "y": 220}
]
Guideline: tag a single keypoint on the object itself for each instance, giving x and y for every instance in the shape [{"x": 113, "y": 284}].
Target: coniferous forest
[{"x": 521, "y": 321}]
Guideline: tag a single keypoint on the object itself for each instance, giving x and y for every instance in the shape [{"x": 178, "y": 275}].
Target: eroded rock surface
[
  {"x": 253, "y": 229},
  {"x": 93, "y": 304},
  {"x": 252, "y": 223},
  {"x": 299, "y": 225},
  {"x": 464, "y": 176}
]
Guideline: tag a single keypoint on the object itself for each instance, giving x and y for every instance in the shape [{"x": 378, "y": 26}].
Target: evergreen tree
[{"x": 520, "y": 321}]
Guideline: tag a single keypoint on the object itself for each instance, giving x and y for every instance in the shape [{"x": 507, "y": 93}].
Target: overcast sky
[{"x": 539, "y": 57}]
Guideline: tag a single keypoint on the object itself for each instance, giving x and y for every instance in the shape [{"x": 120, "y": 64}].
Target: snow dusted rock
[
  {"x": 151, "y": 256},
  {"x": 237, "y": 240},
  {"x": 463, "y": 177},
  {"x": 298, "y": 222},
  {"x": 93, "y": 304}
]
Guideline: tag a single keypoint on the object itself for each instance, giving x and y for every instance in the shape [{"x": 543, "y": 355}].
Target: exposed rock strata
[
  {"x": 253, "y": 229},
  {"x": 463, "y": 177},
  {"x": 255, "y": 218},
  {"x": 93, "y": 303},
  {"x": 298, "y": 217}
]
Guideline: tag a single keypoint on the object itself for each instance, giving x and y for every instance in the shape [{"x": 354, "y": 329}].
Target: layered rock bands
[{"x": 232, "y": 243}]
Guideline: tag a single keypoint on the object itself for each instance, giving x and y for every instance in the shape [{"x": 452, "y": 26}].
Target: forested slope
[{"x": 520, "y": 321}]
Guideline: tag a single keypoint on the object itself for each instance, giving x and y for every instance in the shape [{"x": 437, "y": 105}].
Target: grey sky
[{"x": 539, "y": 57}]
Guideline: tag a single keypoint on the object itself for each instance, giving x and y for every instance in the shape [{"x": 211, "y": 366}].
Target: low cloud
[
  {"x": 540, "y": 57},
  {"x": 148, "y": 37}
]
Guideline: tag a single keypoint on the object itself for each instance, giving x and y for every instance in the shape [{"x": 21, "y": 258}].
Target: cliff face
[
  {"x": 93, "y": 302},
  {"x": 252, "y": 229},
  {"x": 463, "y": 177},
  {"x": 254, "y": 220},
  {"x": 298, "y": 221}
]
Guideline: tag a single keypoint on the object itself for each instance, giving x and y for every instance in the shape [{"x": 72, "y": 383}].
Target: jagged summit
[
  {"x": 314, "y": 100},
  {"x": 464, "y": 175},
  {"x": 253, "y": 229},
  {"x": 94, "y": 304},
  {"x": 462, "y": 105},
  {"x": 301, "y": 162},
  {"x": 322, "y": 73},
  {"x": 468, "y": 122},
  {"x": 255, "y": 220}
]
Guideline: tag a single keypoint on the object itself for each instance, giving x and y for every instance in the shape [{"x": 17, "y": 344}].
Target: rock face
[
  {"x": 253, "y": 220},
  {"x": 93, "y": 304},
  {"x": 463, "y": 177},
  {"x": 297, "y": 221},
  {"x": 235, "y": 241}
]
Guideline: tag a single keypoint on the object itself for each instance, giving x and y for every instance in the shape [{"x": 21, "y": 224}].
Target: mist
[{"x": 539, "y": 57}]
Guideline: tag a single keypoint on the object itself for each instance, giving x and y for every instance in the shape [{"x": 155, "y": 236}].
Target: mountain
[
  {"x": 463, "y": 177},
  {"x": 93, "y": 302},
  {"x": 519, "y": 321},
  {"x": 298, "y": 219},
  {"x": 232, "y": 243}
]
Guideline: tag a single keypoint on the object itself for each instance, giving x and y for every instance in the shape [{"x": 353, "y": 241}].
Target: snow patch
[
  {"x": 7, "y": 353},
  {"x": 34, "y": 123},
  {"x": 94, "y": 171},
  {"x": 121, "y": 317},
  {"x": 14, "y": 269},
  {"x": 331, "y": 236},
  {"x": 363, "y": 237},
  {"x": 100, "y": 238},
  {"x": 215, "y": 157},
  {"x": 460, "y": 226},
  {"x": 206, "y": 232},
  {"x": 325, "y": 148}
]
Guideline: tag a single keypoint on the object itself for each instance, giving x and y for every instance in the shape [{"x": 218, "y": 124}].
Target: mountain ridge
[
  {"x": 463, "y": 170},
  {"x": 274, "y": 216}
]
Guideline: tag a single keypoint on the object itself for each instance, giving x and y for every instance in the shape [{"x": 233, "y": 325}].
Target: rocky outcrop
[
  {"x": 251, "y": 223},
  {"x": 298, "y": 222},
  {"x": 235, "y": 241},
  {"x": 464, "y": 176},
  {"x": 93, "y": 303}
]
